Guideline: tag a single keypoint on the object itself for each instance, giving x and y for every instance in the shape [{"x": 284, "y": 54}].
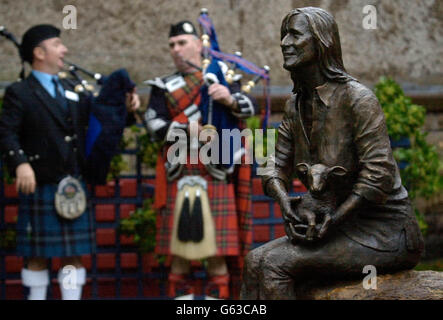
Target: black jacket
[{"x": 35, "y": 129}]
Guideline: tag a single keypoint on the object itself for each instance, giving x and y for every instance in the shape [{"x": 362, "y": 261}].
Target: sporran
[
  {"x": 201, "y": 243},
  {"x": 70, "y": 198}
]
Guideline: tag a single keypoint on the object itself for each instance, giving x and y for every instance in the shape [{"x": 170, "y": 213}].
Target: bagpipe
[
  {"x": 193, "y": 231},
  {"x": 8, "y": 35},
  {"x": 212, "y": 54},
  {"x": 107, "y": 116},
  {"x": 214, "y": 116},
  {"x": 80, "y": 84}
]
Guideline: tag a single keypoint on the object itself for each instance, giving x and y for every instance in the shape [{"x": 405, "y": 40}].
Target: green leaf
[
  {"x": 422, "y": 176},
  {"x": 142, "y": 225}
]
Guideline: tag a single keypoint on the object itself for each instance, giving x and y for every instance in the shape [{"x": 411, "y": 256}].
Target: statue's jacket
[{"x": 348, "y": 129}]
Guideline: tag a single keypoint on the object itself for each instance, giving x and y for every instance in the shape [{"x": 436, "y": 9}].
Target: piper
[{"x": 43, "y": 137}]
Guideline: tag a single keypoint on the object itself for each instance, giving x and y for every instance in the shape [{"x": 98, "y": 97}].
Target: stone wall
[{"x": 133, "y": 34}]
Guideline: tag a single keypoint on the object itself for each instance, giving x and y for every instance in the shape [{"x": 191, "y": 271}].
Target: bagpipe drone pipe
[{"x": 215, "y": 114}]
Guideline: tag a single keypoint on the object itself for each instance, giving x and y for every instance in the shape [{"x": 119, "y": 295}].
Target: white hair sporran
[{"x": 193, "y": 232}]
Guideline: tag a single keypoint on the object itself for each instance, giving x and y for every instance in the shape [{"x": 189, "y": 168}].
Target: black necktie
[{"x": 58, "y": 96}]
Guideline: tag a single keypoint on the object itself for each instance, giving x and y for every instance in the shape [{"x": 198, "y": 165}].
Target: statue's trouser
[{"x": 273, "y": 270}]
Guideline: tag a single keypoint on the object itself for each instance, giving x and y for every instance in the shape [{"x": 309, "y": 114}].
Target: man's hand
[
  {"x": 221, "y": 94},
  {"x": 25, "y": 181},
  {"x": 132, "y": 101}
]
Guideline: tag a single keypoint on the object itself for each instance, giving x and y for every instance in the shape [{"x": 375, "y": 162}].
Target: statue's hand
[
  {"x": 288, "y": 207},
  {"x": 291, "y": 231},
  {"x": 351, "y": 203},
  {"x": 308, "y": 217},
  {"x": 290, "y": 218},
  {"x": 324, "y": 227}
]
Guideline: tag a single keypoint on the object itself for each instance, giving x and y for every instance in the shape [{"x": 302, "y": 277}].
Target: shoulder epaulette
[{"x": 160, "y": 82}]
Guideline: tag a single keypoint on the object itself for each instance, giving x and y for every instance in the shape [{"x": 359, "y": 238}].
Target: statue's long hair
[{"x": 327, "y": 42}]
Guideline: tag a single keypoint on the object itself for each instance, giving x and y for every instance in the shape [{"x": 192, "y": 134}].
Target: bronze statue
[{"x": 331, "y": 121}]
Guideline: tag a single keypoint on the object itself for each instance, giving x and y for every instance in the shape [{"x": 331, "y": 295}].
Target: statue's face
[{"x": 298, "y": 44}]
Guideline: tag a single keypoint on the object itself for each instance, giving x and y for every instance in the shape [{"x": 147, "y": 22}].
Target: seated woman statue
[{"x": 334, "y": 120}]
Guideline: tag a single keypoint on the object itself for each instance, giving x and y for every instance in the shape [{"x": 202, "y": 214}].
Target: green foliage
[
  {"x": 421, "y": 221},
  {"x": 117, "y": 163},
  {"x": 404, "y": 119},
  {"x": 253, "y": 123},
  {"x": 117, "y": 166},
  {"x": 142, "y": 225},
  {"x": 7, "y": 178},
  {"x": 260, "y": 146},
  {"x": 148, "y": 146},
  {"x": 8, "y": 239},
  {"x": 148, "y": 151},
  {"x": 436, "y": 265}
]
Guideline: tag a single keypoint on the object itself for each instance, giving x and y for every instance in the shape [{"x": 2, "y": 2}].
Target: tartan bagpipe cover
[{"x": 107, "y": 121}]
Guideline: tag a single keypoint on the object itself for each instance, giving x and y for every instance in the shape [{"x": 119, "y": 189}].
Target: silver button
[
  {"x": 11, "y": 153},
  {"x": 37, "y": 157},
  {"x": 68, "y": 139},
  {"x": 20, "y": 151},
  {"x": 31, "y": 158}
]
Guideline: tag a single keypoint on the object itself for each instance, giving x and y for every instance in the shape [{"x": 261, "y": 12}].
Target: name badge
[
  {"x": 71, "y": 95},
  {"x": 175, "y": 84}
]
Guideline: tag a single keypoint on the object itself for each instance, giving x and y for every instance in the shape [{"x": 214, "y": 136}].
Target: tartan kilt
[
  {"x": 41, "y": 232},
  {"x": 223, "y": 209}
]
